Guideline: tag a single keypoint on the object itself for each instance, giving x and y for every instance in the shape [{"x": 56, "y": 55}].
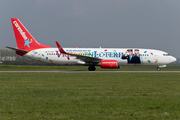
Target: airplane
[{"x": 110, "y": 58}]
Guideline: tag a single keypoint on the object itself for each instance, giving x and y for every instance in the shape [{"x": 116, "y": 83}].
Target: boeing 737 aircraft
[{"x": 27, "y": 46}]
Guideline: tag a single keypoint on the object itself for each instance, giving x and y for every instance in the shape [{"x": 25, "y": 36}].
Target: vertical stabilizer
[{"x": 24, "y": 39}]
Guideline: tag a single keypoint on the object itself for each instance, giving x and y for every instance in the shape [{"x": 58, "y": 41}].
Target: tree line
[{"x": 9, "y": 57}]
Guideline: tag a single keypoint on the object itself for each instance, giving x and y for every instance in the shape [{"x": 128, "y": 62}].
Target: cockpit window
[{"x": 166, "y": 54}]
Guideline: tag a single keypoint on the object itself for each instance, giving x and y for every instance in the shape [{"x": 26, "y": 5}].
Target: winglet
[{"x": 61, "y": 50}]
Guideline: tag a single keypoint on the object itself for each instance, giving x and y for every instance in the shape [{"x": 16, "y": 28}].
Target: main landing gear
[{"x": 91, "y": 68}]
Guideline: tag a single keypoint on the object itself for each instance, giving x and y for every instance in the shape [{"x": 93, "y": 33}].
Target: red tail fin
[{"x": 24, "y": 39}]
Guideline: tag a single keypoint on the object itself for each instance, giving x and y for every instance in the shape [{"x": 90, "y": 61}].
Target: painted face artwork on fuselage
[{"x": 133, "y": 58}]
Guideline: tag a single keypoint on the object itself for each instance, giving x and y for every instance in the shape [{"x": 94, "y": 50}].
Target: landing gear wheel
[
  {"x": 158, "y": 69},
  {"x": 91, "y": 68}
]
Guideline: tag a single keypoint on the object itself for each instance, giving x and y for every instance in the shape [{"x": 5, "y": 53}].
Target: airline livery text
[{"x": 20, "y": 30}]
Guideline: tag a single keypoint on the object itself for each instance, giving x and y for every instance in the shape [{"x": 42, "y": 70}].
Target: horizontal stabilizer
[{"x": 20, "y": 50}]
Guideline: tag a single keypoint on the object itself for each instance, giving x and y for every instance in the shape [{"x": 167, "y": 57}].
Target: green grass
[
  {"x": 85, "y": 68},
  {"x": 144, "y": 96}
]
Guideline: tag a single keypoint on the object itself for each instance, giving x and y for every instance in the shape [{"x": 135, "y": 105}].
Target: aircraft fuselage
[{"x": 148, "y": 57}]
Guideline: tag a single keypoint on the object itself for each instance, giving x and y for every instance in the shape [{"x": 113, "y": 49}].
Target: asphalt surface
[{"x": 98, "y": 71}]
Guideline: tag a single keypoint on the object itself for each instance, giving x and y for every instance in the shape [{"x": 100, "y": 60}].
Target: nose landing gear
[{"x": 158, "y": 68}]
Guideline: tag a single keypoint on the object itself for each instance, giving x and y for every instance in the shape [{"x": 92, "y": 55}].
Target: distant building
[{"x": 8, "y": 58}]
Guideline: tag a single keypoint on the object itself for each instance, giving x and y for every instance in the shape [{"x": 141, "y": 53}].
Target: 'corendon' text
[{"x": 20, "y": 30}]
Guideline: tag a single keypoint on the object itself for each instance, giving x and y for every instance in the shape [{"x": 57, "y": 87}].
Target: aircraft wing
[
  {"x": 85, "y": 58},
  {"x": 81, "y": 57},
  {"x": 20, "y": 50}
]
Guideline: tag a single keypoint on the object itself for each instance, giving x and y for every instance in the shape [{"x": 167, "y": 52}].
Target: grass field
[
  {"x": 85, "y": 68},
  {"x": 145, "y": 96}
]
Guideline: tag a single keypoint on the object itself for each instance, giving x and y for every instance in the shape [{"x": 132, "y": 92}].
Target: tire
[
  {"x": 158, "y": 69},
  {"x": 91, "y": 68}
]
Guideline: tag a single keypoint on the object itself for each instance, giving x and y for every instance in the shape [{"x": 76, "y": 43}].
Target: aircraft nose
[{"x": 172, "y": 59}]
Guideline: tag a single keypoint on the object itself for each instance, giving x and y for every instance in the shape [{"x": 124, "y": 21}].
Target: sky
[{"x": 153, "y": 24}]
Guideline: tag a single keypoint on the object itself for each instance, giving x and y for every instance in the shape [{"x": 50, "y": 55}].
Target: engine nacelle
[{"x": 109, "y": 64}]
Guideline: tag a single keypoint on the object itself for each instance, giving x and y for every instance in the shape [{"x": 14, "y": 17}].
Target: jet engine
[{"x": 109, "y": 64}]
